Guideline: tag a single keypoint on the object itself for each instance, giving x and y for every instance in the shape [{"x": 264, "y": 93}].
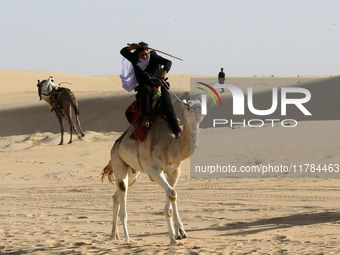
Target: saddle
[
  {"x": 57, "y": 105},
  {"x": 134, "y": 113}
]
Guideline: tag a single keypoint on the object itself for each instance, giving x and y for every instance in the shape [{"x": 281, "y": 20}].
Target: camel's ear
[{"x": 38, "y": 81}]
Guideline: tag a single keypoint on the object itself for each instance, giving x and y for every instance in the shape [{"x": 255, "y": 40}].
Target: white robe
[
  {"x": 47, "y": 87},
  {"x": 128, "y": 77}
]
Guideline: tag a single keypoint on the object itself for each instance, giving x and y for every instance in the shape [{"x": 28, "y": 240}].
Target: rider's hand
[
  {"x": 162, "y": 76},
  {"x": 133, "y": 46}
]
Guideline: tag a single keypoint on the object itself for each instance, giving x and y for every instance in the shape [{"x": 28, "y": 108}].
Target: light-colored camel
[
  {"x": 63, "y": 99},
  {"x": 158, "y": 155}
]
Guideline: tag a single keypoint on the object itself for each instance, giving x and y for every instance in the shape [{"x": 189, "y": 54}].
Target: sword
[{"x": 166, "y": 54}]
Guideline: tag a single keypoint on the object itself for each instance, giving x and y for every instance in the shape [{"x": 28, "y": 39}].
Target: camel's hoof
[
  {"x": 115, "y": 237},
  {"x": 69, "y": 142},
  {"x": 180, "y": 237},
  {"x": 61, "y": 143},
  {"x": 176, "y": 242},
  {"x": 183, "y": 233},
  {"x": 79, "y": 137},
  {"x": 128, "y": 241},
  {"x": 82, "y": 135}
]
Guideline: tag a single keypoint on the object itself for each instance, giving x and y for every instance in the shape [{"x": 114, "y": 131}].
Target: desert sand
[{"x": 52, "y": 200}]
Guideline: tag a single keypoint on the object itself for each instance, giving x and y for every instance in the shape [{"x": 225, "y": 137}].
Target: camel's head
[{"x": 193, "y": 109}]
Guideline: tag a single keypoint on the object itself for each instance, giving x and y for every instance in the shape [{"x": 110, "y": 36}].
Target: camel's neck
[{"x": 187, "y": 141}]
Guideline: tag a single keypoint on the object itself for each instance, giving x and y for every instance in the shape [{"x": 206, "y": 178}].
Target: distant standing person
[{"x": 221, "y": 78}]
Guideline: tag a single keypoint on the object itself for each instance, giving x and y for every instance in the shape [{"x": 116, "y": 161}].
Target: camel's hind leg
[
  {"x": 132, "y": 177},
  {"x": 172, "y": 178},
  {"x": 74, "y": 103},
  {"x": 72, "y": 126},
  {"x": 75, "y": 130},
  {"x": 116, "y": 207},
  {"x": 78, "y": 123},
  {"x": 124, "y": 177}
]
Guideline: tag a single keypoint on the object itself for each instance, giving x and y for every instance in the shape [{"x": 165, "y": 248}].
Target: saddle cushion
[{"x": 133, "y": 114}]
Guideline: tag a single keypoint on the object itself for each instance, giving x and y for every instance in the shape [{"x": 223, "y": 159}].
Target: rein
[{"x": 165, "y": 85}]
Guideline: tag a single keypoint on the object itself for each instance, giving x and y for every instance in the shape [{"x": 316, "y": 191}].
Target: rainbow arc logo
[{"x": 209, "y": 93}]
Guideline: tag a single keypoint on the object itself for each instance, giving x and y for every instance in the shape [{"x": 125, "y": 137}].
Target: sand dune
[
  {"x": 103, "y": 102},
  {"x": 101, "y": 114},
  {"x": 25, "y": 142},
  {"x": 18, "y": 88},
  {"x": 52, "y": 200},
  {"x": 14, "y": 81}
]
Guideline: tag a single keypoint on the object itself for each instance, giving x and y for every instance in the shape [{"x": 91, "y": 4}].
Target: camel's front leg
[
  {"x": 157, "y": 175},
  {"x": 169, "y": 214},
  {"x": 179, "y": 229},
  {"x": 171, "y": 211}
]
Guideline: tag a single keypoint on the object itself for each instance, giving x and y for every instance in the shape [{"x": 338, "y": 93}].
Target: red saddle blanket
[{"x": 133, "y": 114}]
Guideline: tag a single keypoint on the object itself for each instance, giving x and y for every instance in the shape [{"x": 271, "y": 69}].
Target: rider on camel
[{"x": 146, "y": 64}]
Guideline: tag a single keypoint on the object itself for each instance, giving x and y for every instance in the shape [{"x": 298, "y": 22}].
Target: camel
[
  {"x": 63, "y": 100},
  {"x": 158, "y": 155}
]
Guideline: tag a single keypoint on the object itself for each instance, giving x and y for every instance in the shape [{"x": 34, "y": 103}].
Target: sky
[{"x": 245, "y": 37}]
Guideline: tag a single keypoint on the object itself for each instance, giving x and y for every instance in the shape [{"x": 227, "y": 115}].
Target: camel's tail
[
  {"x": 74, "y": 103},
  {"x": 107, "y": 171}
]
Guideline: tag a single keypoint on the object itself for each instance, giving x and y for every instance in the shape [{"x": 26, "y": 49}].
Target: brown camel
[
  {"x": 62, "y": 100},
  {"x": 160, "y": 154}
]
